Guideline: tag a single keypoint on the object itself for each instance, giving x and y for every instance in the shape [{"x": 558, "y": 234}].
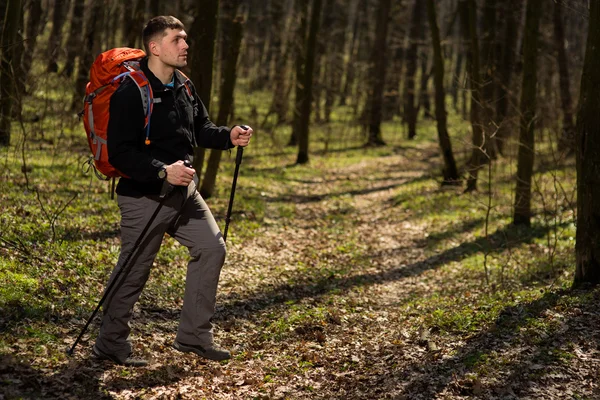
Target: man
[{"x": 179, "y": 121}]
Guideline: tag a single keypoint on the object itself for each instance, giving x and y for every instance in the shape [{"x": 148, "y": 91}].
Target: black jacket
[{"x": 177, "y": 124}]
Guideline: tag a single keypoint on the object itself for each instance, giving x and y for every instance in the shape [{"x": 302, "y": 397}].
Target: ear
[{"x": 154, "y": 48}]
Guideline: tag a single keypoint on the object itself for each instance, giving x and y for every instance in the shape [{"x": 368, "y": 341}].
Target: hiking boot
[
  {"x": 213, "y": 352},
  {"x": 129, "y": 361}
]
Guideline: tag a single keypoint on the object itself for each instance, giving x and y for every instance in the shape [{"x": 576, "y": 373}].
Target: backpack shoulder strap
[
  {"x": 188, "y": 86},
  {"x": 143, "y": 84}
]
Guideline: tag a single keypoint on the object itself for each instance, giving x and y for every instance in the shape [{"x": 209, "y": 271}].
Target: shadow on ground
[
  {"x": 80, "y": 378},
  {"x": 540, "y": 368}
]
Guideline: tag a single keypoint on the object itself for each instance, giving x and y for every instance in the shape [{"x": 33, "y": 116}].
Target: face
[{"x": 171, "y": 49}]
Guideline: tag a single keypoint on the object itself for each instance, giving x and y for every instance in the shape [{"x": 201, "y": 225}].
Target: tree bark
[
  {"x": 90, "y": 38},
  {"x": 410, "y": 109},
  {"x": 74, "y": 40},
  {"x": 279, "y": 104},
  {"x": 512, "y": 14},
  {"x": 7, "y": 81},
  {"x": 392, "y": 99},
  {"x": 450, "y": 172},
  {"x": 468, "y": 10},
  {"x": 587, "y": 247},
  {"x": 19, "y": 72},
  {"x": 349, "y": 69},
  {"x": 525, "y": 158},
  {"x": 335, "y": 58},
  {"x": 34, "y": 18},
  {"x": 305, "y": 106},
  {"x": 567, "y": 139},
  {"x": 55, "y": 39},
  {"x": 133, "y": 19},
  {"x": 155, "y": 8},
  {"x": 424, "y": 86},
  {"x": 301, "y": 10},
  {"x": 324, "y": 53},
  {"x": 202, "y": 36},
  {"x": 458, "y": 64},
  {"x": 231, "y": 42},
  {"x": 379, "y": 68},
  {"x": 488, "y": 83}
]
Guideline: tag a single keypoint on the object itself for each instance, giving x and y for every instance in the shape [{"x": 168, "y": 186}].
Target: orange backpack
[{"x": 108, "y": 71}]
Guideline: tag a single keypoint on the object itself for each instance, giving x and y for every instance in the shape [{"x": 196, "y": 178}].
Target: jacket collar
[{"x": 155, "y": 83}]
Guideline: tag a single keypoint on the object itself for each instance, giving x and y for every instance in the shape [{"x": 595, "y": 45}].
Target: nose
[{"x": 185, "y": 45}]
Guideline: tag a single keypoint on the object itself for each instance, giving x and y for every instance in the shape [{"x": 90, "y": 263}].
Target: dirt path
[{"x": 311, "y": 310}]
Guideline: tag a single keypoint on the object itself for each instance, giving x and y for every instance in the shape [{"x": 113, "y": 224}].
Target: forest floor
[{"x": 357, "y": 282}]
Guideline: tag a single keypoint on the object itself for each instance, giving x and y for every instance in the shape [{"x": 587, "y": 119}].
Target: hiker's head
[{"x": 164, "y": 37}]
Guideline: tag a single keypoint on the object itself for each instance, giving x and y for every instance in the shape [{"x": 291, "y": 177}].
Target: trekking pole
[
  {"x": 238, "y": 161},
  {"x": 167, "y": 188}
]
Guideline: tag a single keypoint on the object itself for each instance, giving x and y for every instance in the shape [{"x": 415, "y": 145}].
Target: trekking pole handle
[
  {"x": 167, "y": 187},
  {"x": 240, "y": 150}
]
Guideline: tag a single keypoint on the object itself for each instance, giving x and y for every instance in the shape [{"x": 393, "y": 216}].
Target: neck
[{"x": 162, "y": 71}]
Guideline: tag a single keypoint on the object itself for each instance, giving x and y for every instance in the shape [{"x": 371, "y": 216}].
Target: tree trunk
[
  {"x": 410, "y": 109},
  {"x": 19, "y": 72},
  {"x": 391, "y": 100},
  {"x": 379, "y": 66},
  {"x": 269, "y": 50},
  {"x": 423, "y": 90},
  {"x": 450, "y": 172},
  {"x": 7, "y": 81},
  {"x": 34, "y": 18},
  {"x": 301, "y": 10},
  {"x": 587, "y": 246},
  {"x": 3, "y": 5},
  {"x": 127, "y": 23},
  {"x": 335, "y": 58},
  {"x": 522, "y": 213},
  {"x": 258, "y": 32},
  {"x": 488, "y": 83},
  {"x": 133, "y": 20},
  {"x": 232, "y": 39},
  {"x": 279, "y": 104},
  {"x": 55, "y": 39},
  {"x": 202, "y": 47},
  {"x": 567, "y": 139},
  {"x": 349, "y": 67},
  {"x": 74, "y": 40},
  {"x": 113, "y": 34},
  {"x": 391, "y": 97},
  {"x": 326, "y": 84},
  {"x": 468, "y": 10},
  {"x": 155, "y": 8},
  {"x": 512, "y": 13},
  {"x": 456, "y": 82},
  {"x": 90, "y": 37},
  {"x": 305, "y": 106}
]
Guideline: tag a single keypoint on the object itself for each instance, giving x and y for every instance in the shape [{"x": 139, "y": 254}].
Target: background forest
[{"x": 414, "y": 218}]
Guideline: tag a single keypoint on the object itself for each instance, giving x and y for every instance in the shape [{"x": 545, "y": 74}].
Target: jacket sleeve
[
  {"x": 207, "y": 134},
  {"x": 126, "y": 135}
]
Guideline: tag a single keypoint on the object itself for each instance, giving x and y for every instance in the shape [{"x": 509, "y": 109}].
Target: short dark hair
[{"x": 157, "y": 26}]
